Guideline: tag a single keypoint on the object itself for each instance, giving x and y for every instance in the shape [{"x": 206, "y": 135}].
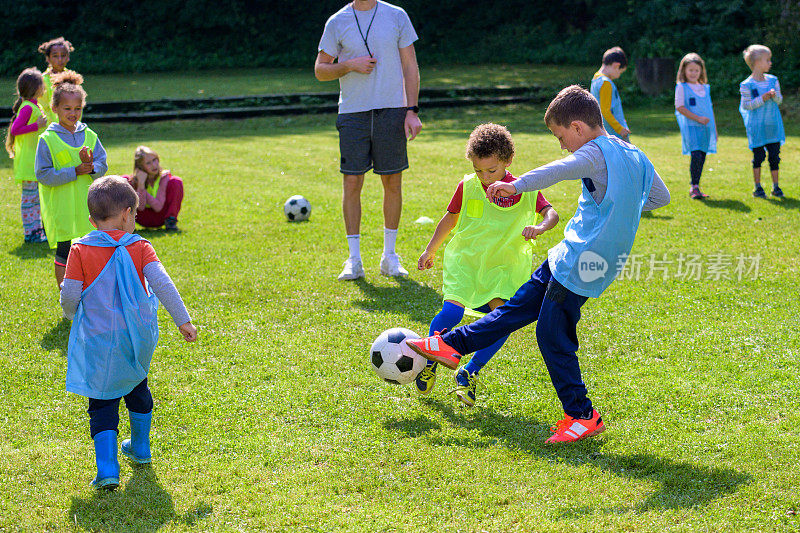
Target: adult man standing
[{"x": 373, "y": 43}]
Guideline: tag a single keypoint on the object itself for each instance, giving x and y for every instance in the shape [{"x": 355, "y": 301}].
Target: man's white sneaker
[
  {"x": 353, "y": 269},
  {"x": 390, "y": 266}
]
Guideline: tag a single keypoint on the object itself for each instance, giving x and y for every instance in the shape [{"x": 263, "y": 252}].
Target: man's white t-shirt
[{"x": 391, "y": 30}]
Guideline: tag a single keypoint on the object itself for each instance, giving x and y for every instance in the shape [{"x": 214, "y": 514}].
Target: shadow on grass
[
  {"x": 415, "y": 427},
  {"x": 730, "y": 205},
  {"x": 419, "y": 302},
  {"x": 143, "y": 505},
  {"x": 31, "y": 250},
  {"x": 681, "y": 485},
  {"x": 155, "y": 233},
  {"x": 649, "y": 214},
  {"x": 57, "y": 337},
  {"x": 785, "y": 202}
]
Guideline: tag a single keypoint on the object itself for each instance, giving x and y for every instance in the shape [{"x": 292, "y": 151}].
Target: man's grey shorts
[{"x": 373, "y": 139}]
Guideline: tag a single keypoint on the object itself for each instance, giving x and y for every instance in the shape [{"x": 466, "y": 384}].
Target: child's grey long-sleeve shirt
[
  {"x": 44, "y": 168},
  {"x": 159, "y": 281},
  {"x": 588, "y": 164}
]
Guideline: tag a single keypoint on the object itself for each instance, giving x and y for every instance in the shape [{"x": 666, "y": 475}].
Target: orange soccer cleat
[
  {"x": 435, "y": 349},
  {"x": 573, "y": 429}
]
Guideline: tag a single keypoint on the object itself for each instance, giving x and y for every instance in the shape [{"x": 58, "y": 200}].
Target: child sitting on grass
[
  {"x": 619, "y": 182},
  {"x": 488, "y": 258},
  {"x": 115, "y": 326}
]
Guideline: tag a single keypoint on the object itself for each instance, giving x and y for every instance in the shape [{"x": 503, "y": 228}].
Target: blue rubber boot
[
  {"x": 105, "y": 451},
  {"x": 137, "y": 448}
]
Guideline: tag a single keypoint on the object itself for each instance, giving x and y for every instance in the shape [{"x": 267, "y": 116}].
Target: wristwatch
[{"x": 414, "y": 108}]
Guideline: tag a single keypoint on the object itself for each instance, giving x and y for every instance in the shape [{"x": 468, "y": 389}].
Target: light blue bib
[
  {"x": 764, "y": 125},
  {"x": 599, "y": 237},
  {"x": 115, "y": 329},
  {"x": 694, "y": 135},
  {"x": 616, "y": 102}
]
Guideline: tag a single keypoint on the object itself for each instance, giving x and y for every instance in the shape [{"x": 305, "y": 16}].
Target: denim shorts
[{"x": 373, "y": 139}]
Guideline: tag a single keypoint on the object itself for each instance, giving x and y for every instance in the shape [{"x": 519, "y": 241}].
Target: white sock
[
  {"x": 354, "y": 243},
  {"x": 389, "y": 240}
]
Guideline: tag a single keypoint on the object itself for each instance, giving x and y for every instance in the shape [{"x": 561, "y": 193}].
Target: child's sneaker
[
  {"x": 353, "y": 269},
  {"x": 390, "y": 266},
  {"x": 36, "y": 236},
  {"x": 759, "y": 192},
  {"x": 426, "y": 379},
  {"x": 696, "y": 194},
  {"x": 435, "y": 349},
  {"x": 573, "y": 429},
  {"x": 466, "y": 384},
  {"x": 777, "y": 192},
  {"x": 171, "y": 224}
]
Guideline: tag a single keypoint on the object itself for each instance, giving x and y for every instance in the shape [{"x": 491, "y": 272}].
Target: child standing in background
[
  {"x": 487, "y": 259},
  {"x": 21, "y": 139},
  {"x": 761, "y": 96},
  {"x": 115, "y": 326},
  {"x": 605, "y": 92},
  {"x": 56, "y": 52},
  {"x": 695, "y": 116},
  {"x": 68, "y": 157}
]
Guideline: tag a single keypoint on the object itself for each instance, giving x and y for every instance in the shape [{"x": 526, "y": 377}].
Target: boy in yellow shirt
[{"x": 615, "y": 62}]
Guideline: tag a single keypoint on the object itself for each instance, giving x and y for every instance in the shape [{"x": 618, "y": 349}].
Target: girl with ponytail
[{"x": 21, "y": 139}]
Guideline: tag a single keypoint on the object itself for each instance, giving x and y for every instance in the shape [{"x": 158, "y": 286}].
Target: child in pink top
[
  {"x": 160, "y": 193},
  {"x": 21, "y": 139}
]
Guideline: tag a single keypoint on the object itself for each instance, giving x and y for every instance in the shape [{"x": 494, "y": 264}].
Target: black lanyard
[{"x": 364, "y": 37}]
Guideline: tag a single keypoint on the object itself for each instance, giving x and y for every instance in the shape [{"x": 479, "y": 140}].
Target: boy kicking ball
[{"x": 618, "y": 183}]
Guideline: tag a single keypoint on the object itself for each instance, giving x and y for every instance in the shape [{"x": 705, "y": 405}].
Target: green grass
[
  {"x": 235, "y": 82},
  {"x": 274, "y": 421}
]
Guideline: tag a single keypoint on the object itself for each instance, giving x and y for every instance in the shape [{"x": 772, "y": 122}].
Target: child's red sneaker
[
  {"x": 573, "y": 429},
  {"x": 435, "y": 349}
]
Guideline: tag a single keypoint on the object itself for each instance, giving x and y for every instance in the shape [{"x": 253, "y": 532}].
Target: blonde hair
[
  {"x": 138, "y": 163},
  {"x": 753, "y": 52},
  {"x": 686, "y": 61}
]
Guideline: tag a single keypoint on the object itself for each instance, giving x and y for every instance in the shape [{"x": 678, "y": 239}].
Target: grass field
[
  {"x": 235, "y": 82},
  {"x": 274, "y": 421}
]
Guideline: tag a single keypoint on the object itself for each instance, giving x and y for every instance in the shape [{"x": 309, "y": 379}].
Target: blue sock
[
  {"x": 448, "y": 317},
  {"x": 482, "y": 356}
]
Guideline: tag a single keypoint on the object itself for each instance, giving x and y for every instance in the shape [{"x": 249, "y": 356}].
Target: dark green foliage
[{"x": 155, "y": 35}]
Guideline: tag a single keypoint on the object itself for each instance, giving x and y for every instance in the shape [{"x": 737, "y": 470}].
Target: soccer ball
[
  {"x": 393, "y": 360},
  {"x": 297, "y": 208}
]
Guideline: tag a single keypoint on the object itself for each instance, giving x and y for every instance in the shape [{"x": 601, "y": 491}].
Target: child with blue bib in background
[
  {"x": 112, "y": 287},
  {"x": 21, "y": 139},
  {"x": 56, "y": 53},
  {"x": 618, "y": 183},
  {"x": 695, "y": 116},
  {"x": 68, "y": 157},
  {"x": 489, "y": 256},
  {"x": 760, "y": 98},
  {"x": 604, "y": 90}
]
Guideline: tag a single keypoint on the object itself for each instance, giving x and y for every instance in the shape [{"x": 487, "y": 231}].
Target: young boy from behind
[
  {"x": 605, "y": 92},
  {"x": 115, "y": 326},
  {"x": 619, "y": 182}
]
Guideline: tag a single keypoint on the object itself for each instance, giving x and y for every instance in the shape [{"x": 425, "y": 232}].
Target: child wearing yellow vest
[
  {"x": 23, "y": 133},
  {"x": 56, "y": 52},
  {"x": 68, "y": 157},
  {"x": 490, "y": 255}
]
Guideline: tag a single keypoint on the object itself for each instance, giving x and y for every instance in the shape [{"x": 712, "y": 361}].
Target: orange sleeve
[
  {"x": 74, "y": 264},
  {"x": 606, "y": 92},
  {"x": 148, "y": 254}
]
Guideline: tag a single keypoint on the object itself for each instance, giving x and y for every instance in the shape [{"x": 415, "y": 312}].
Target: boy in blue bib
[
  {"x": 619, "y": 182},
  {"x": 760, "y": 98},
  {"x": 111, "y": 289},
  {"x": 603, "y": 88}
]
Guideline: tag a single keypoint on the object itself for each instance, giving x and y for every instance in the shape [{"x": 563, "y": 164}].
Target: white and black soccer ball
[
  {"x": 393, "y": 360},
  {"x": 297, "y": 208}
]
